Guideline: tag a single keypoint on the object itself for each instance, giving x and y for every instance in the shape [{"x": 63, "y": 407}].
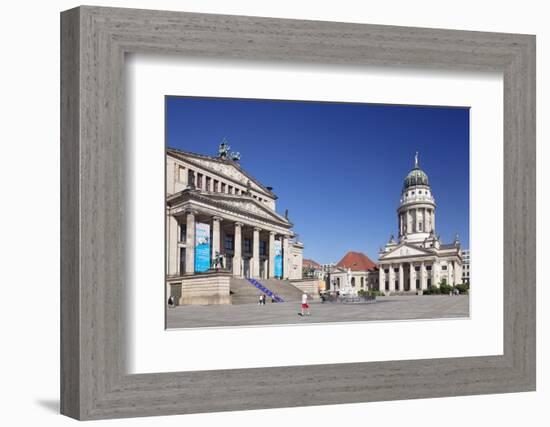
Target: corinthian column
[
  {"x": 215, "y": 235},
  {"x": 271, "y": 254},
  {"x": 237, "y": 250},
  {"x": 286, "y": 258},
  {"x": 172, "y": 246},
  {"x": 391, "y": 280},
  {"x": 190, "y": 244},
  {"x": 381, "y": 277},
  {"x": 256, "y": 253}
]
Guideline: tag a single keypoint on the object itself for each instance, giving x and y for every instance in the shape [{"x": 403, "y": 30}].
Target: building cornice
[{"x": 216, "y": 201}]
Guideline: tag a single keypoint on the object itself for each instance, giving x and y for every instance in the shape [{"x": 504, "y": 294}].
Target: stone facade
[
  {"x": 417, "y": 260},
  {"x": 354, "y": 272},
  {"x": 465, "y": 266},
  {"x": 241, "y": 212}
]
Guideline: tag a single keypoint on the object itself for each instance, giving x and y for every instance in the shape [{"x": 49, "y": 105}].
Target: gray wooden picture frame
[{"x": 94, "y": 382}]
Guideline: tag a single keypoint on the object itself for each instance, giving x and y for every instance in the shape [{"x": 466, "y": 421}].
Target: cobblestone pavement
[{"x": 385, "y": 308}]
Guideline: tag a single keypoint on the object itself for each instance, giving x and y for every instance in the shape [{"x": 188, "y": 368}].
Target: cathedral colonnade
[{"x": 407, "y": 276}]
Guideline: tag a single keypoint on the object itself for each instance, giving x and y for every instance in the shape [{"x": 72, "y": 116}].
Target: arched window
[{"x": 353, "y": 282}]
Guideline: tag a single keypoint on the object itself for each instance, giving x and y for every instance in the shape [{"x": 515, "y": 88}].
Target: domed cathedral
[{"x": 417, "y": 260}]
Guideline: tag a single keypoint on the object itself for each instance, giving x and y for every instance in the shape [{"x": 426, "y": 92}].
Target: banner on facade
[
  {"x": 278, "y": 264},
  {"x": 202, "y": 247}
]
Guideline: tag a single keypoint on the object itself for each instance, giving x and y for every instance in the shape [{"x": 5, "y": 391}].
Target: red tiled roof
[
  {"x": 310, "y": 263},
  {"x": 356, "y": 261}
]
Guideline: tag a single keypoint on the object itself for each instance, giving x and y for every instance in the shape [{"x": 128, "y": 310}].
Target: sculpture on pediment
[
  {"x": 457, "y": 241},
  {"x": 286, "y": 213},
  {"x": 223, "y": 150},
  {"x": 248, "y": 188}
]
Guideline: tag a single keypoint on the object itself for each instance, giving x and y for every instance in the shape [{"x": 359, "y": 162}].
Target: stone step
[{"x": 243, "y": 292}]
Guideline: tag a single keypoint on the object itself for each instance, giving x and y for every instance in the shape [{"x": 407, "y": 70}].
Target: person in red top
[{"x": 305, "y": 305}]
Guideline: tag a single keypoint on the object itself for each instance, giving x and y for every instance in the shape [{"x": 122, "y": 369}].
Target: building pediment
[
  {"x": 243, "y": 205},
  {"x": 249, "y": 205},
  {"x": 405, "y": 250}
]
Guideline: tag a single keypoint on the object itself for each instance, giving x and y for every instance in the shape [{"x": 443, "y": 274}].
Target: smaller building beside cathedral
[{"x": 417, "y": 259}]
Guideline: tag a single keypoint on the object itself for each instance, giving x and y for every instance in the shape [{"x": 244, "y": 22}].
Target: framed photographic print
[{"x": 310, "y": 186}]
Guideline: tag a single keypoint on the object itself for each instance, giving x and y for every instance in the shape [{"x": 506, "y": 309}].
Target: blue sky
[{"x": 337, "y": 167}]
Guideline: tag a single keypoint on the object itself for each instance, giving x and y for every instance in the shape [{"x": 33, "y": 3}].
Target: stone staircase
[{"x": 244, "y": 292}]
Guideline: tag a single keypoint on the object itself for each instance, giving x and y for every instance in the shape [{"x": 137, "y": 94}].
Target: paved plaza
[{"x": 385, "y": 308}]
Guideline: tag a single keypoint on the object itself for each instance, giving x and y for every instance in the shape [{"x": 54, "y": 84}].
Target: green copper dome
[{"x": 415, "y": 177}]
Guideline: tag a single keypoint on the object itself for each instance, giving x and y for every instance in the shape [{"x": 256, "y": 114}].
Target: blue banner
[
  {"x": 202, "y": 247},
  {"x": 278, "y": 265}
]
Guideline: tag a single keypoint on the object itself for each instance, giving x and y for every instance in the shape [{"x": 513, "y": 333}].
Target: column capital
[
  {"x": 217, "y": 218},
  {"x": 273, "y": 233},
  {"x": 191, "y": 212},
  {"x": 257, "y": 229},
  {"x": 239, "y": 224}
]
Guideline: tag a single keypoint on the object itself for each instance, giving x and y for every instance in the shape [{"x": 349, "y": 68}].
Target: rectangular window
[
  {"x": 387, "y": 285},
  {"x": 247, "y": 245},
  {"x": 229, "y": 239},
  {"x": 216, "y": 186},
  {"x": 387, "y": 270},
  {"x": 417, "y": 283},
  {"x": 443, "y": 267},
  {"x": 263, "y": 247},
  {"x": 208, "y": 181},
  {"x": 183, "y": 233},
  {"x": 396, "y": 270},
  {"x": 429, "y": 267},
  {"x": 416, "y": 268},
  {"x": 199, "y": 180},
  {"x": 223, "y": 187}
]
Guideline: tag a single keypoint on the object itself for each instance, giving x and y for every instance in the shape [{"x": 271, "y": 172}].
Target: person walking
[{"x": 305, "y": 306}]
